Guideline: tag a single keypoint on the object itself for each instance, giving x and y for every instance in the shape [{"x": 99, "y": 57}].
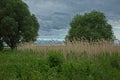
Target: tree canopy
[
  {"x": 17, "y": 24},
  {"x": 91, "y": 26}
]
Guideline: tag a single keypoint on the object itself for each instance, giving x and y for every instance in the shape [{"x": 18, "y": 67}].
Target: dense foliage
[
  {"x": 91, "y": 26},
  {"x": 17, "y": 24},
  {"x": 53, "y": 65}
]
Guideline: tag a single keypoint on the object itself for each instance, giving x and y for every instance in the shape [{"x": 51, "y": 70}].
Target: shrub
[
  {"x": 55, "y": 59},
  {"x": 115, "y": 61}
]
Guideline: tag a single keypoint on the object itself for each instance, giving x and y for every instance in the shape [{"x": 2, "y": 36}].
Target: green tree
[
  {"x": 17, "y": 24},
  {"x": 91, "y": 26}
]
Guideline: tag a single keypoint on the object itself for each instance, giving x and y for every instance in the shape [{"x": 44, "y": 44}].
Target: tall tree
[
  {"x": 17, "y": 24},
  {"x": 91, "y": 26}
]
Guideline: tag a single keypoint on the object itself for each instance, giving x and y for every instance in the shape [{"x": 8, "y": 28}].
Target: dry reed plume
[{"x": 75, "y": 46}]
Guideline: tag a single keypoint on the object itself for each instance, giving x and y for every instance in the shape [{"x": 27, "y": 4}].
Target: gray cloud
[{"x": 55, "y": 15}]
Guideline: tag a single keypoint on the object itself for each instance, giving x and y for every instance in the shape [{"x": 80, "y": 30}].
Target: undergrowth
[{"x": 53, "y": 65}]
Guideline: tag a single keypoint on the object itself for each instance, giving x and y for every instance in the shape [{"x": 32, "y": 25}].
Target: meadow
[{"x": 73, "y": 61}]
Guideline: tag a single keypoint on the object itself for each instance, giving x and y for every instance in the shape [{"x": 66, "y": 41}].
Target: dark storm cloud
[{"x": 55, "y": 15}]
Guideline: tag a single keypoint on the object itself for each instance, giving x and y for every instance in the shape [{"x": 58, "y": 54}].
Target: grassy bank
[{"x": 54, "y": 65}]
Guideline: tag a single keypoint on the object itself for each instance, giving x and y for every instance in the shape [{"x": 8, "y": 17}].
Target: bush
[
  {"x": 115, "y": 61},
  {"x": 55, "y": 59}
]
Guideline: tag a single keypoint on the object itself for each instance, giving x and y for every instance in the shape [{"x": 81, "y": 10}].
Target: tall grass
[{"x": 76, "y": 47}]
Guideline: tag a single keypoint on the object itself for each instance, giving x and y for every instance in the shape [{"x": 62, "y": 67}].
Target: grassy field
[{"x": 77, "y": 61}]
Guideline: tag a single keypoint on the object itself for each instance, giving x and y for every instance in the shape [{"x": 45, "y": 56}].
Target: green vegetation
[
  {"x": 54, "y": 65},
  {"x": 17, "y": 24},
  {"x": 73, "y": 61},
  {"x": 91, "y": 26}
]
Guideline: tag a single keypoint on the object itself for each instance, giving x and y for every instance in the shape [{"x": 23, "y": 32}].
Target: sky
[{"x": 54, "y": 16}]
